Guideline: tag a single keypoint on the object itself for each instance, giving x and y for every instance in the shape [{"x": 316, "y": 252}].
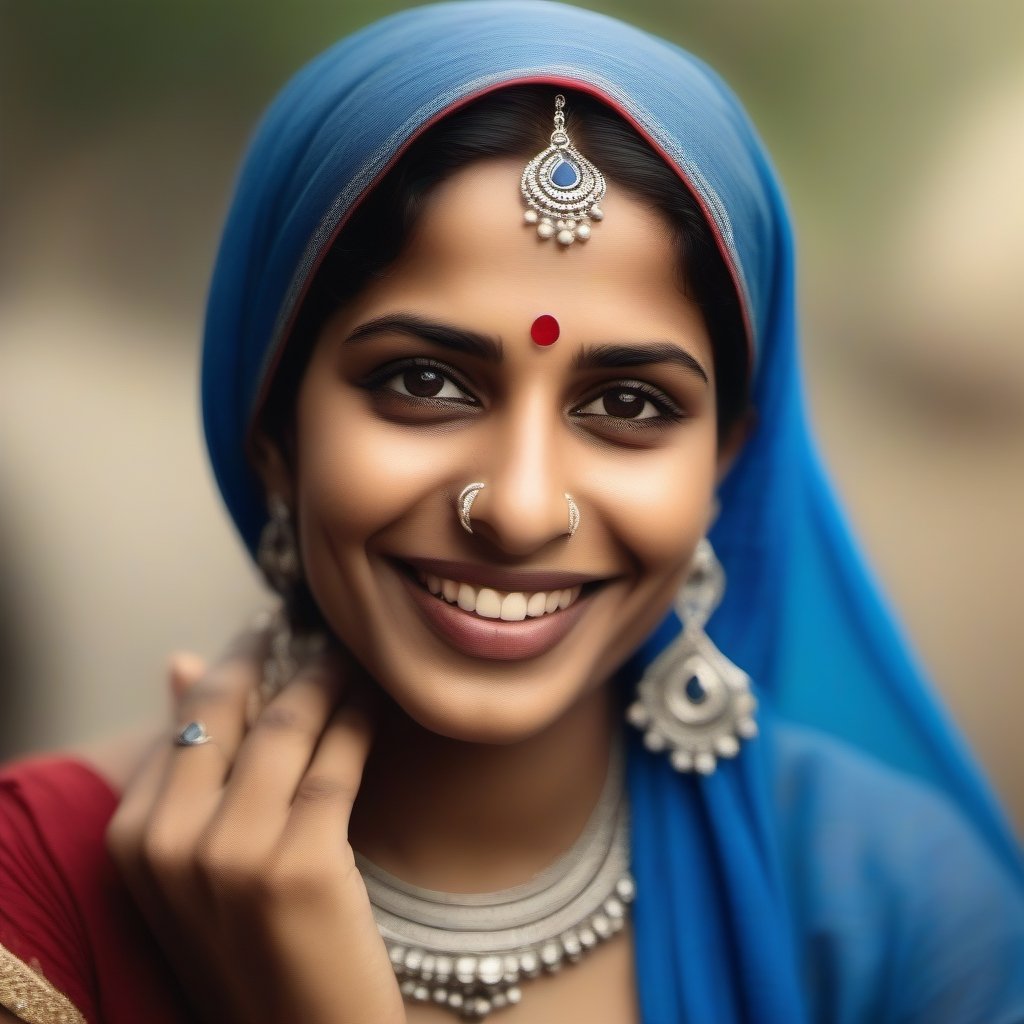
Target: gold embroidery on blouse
[{"x": 28, "y": 995}]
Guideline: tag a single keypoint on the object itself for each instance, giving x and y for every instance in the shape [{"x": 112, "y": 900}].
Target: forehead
[{"x": 471, "y": 259}]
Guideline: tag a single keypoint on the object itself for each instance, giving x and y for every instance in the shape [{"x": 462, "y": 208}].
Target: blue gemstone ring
[{"x": 193, "y": 735}]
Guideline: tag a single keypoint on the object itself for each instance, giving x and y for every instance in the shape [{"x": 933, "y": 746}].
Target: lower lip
[{"x": 494, "y": 638}]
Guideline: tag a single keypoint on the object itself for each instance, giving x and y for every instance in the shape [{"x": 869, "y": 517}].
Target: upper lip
[{"x": 526, "y": 580}]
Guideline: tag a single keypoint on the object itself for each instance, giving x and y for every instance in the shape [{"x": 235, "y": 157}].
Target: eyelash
[
  {"x": 668, "y": 411},
  {"x": 379, "y": 381}
]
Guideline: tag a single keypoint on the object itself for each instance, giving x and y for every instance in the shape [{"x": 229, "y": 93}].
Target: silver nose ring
[
  {"x": 468, "y": 495},
  {"x": 466, "y": 498}
]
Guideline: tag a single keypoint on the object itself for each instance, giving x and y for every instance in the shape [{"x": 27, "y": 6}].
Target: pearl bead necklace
[{"x": 471, "y": 952}]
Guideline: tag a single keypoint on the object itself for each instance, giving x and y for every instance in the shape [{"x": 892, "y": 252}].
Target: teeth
[
  {"x": 511, "y": 606},
  {"x": 467, "y": 597},
  {"x": 488, "y": 604}
]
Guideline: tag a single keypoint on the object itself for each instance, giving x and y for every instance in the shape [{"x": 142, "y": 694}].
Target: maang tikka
[
  {"x": 562, "y": 188},
  {"x": 692, "y": 702}
]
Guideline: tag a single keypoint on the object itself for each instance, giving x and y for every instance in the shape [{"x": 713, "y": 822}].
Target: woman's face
[{"x": 429, "y": 381}]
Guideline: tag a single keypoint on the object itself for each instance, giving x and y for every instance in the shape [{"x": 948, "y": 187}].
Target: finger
[
  {"x": 317, "y": 824},
  {"x": 164, "y": 880},
  {"x": 184, "y": 670},
  {"x": 277, "y": 751},
  {"x": 144, "y": 791},
  {"x": 124, "y": 831},
  {"x": 234, "y": 674},
  {"x": 196, "y": 772}
]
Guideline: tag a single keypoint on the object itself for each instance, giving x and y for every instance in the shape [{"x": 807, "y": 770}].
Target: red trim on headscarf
[{"x": 566, "y": 83}]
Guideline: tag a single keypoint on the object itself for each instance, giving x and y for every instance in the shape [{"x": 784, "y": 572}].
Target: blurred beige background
[{"x": 896, "y": 127}]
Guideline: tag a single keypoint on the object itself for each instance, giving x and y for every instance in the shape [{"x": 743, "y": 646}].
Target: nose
[{"x": 523, "y": 505}]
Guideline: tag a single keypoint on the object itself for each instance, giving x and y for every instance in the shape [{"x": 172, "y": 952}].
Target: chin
[{"x": 479, "y": 708}]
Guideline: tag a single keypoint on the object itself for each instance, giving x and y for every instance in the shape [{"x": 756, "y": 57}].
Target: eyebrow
[
  {"x": 446, "y": 335},
  {"x": 490, "y": 349},
  {"x": 594, "y": 357}
]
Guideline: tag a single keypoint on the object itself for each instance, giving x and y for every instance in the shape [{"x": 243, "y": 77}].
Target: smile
[
  {"x": 498, "y": 625},
  {"x": 513, "y": 606}
]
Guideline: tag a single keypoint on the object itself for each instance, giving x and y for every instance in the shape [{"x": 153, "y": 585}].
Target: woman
[{"x": 501, "y": 289}]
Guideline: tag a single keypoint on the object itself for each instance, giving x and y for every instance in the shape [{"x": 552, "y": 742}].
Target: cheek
[
  {"x": 356, "y": 473},
  {"x": 661, "y": 503}
]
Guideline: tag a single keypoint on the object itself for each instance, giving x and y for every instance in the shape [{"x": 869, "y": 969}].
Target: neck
[{"x": 464, "y": 817}]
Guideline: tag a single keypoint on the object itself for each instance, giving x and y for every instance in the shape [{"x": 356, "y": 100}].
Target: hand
[{"x": 237, "y": 851}]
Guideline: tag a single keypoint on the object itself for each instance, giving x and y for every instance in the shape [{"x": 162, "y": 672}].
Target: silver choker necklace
[{"x": 470, "y": 952}]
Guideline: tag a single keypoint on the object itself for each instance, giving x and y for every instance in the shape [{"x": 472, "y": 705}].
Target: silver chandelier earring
[
  {"x": 692, "y": 702},
  {"x": 278, "y": 556},
  {"x": 468, "y": 494},
  {"x": 278, "y": 550}
]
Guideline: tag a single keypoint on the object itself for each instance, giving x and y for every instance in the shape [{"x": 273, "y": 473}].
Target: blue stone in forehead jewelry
[{"x": 565, "y": 175}]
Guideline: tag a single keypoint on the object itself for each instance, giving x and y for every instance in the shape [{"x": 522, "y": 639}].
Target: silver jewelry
[
  {"x": 288, "y": 652},
  {"x": 562, "y": 189},
  {"x": 193, "y": 735},
  {"x": 278, "y": 551},
  {"x": 574, "y": 514},
  {"x": 468, "y": 495},
  {"x": 692, "y": 702},
  {"x": 465, "y": 502},
  {"x": 470, "y": 952}
]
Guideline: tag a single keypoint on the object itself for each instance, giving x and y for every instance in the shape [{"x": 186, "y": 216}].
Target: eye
[
  {"x": 421, "y": 378},
  {"x": 632, "y": 400}
]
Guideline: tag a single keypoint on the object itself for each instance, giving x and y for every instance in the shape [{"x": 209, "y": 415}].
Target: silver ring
[
  {"x": 466, "y": 498},
  {"x": 193, "y": 735},
  {"x": 468, "y": 495}
]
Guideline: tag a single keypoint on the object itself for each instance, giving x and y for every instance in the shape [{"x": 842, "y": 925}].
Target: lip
[
  {"x": 526, "y": 580},
  {"x": 494, "y": 639}
]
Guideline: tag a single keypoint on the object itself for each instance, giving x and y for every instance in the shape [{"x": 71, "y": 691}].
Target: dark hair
[{"x": 516, "y": 122}]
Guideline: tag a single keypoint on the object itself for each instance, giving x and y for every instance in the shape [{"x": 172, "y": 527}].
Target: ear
[
  {"x": 273, "y": 469},
  {"x": 732, "y": 443}
]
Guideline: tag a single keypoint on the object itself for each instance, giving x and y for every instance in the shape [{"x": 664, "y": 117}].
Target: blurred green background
[{"x": 897, "y": 129}]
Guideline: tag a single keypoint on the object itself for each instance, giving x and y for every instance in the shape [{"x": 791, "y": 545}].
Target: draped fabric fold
[{"x": 800, "y": 613}]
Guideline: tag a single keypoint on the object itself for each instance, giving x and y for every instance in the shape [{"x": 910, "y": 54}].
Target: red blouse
[{"x": 64, "y": 912}]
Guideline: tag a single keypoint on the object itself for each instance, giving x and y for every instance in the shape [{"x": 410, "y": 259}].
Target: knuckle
[
  {"x": 163, "y": 852},
  {"x": 225, "y": 869},
  {"x": 318, "y": 789},
  {"x": 210, "y": 862},
  {"x": 122, "y": 839},
  {"x": 279, "y": 717}
]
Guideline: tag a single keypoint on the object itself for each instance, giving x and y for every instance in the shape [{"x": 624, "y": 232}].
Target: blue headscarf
[{"x": 800, "y": 614}]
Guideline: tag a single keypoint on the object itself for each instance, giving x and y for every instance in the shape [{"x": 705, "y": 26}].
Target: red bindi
[{"x": 545, "y": 330}]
